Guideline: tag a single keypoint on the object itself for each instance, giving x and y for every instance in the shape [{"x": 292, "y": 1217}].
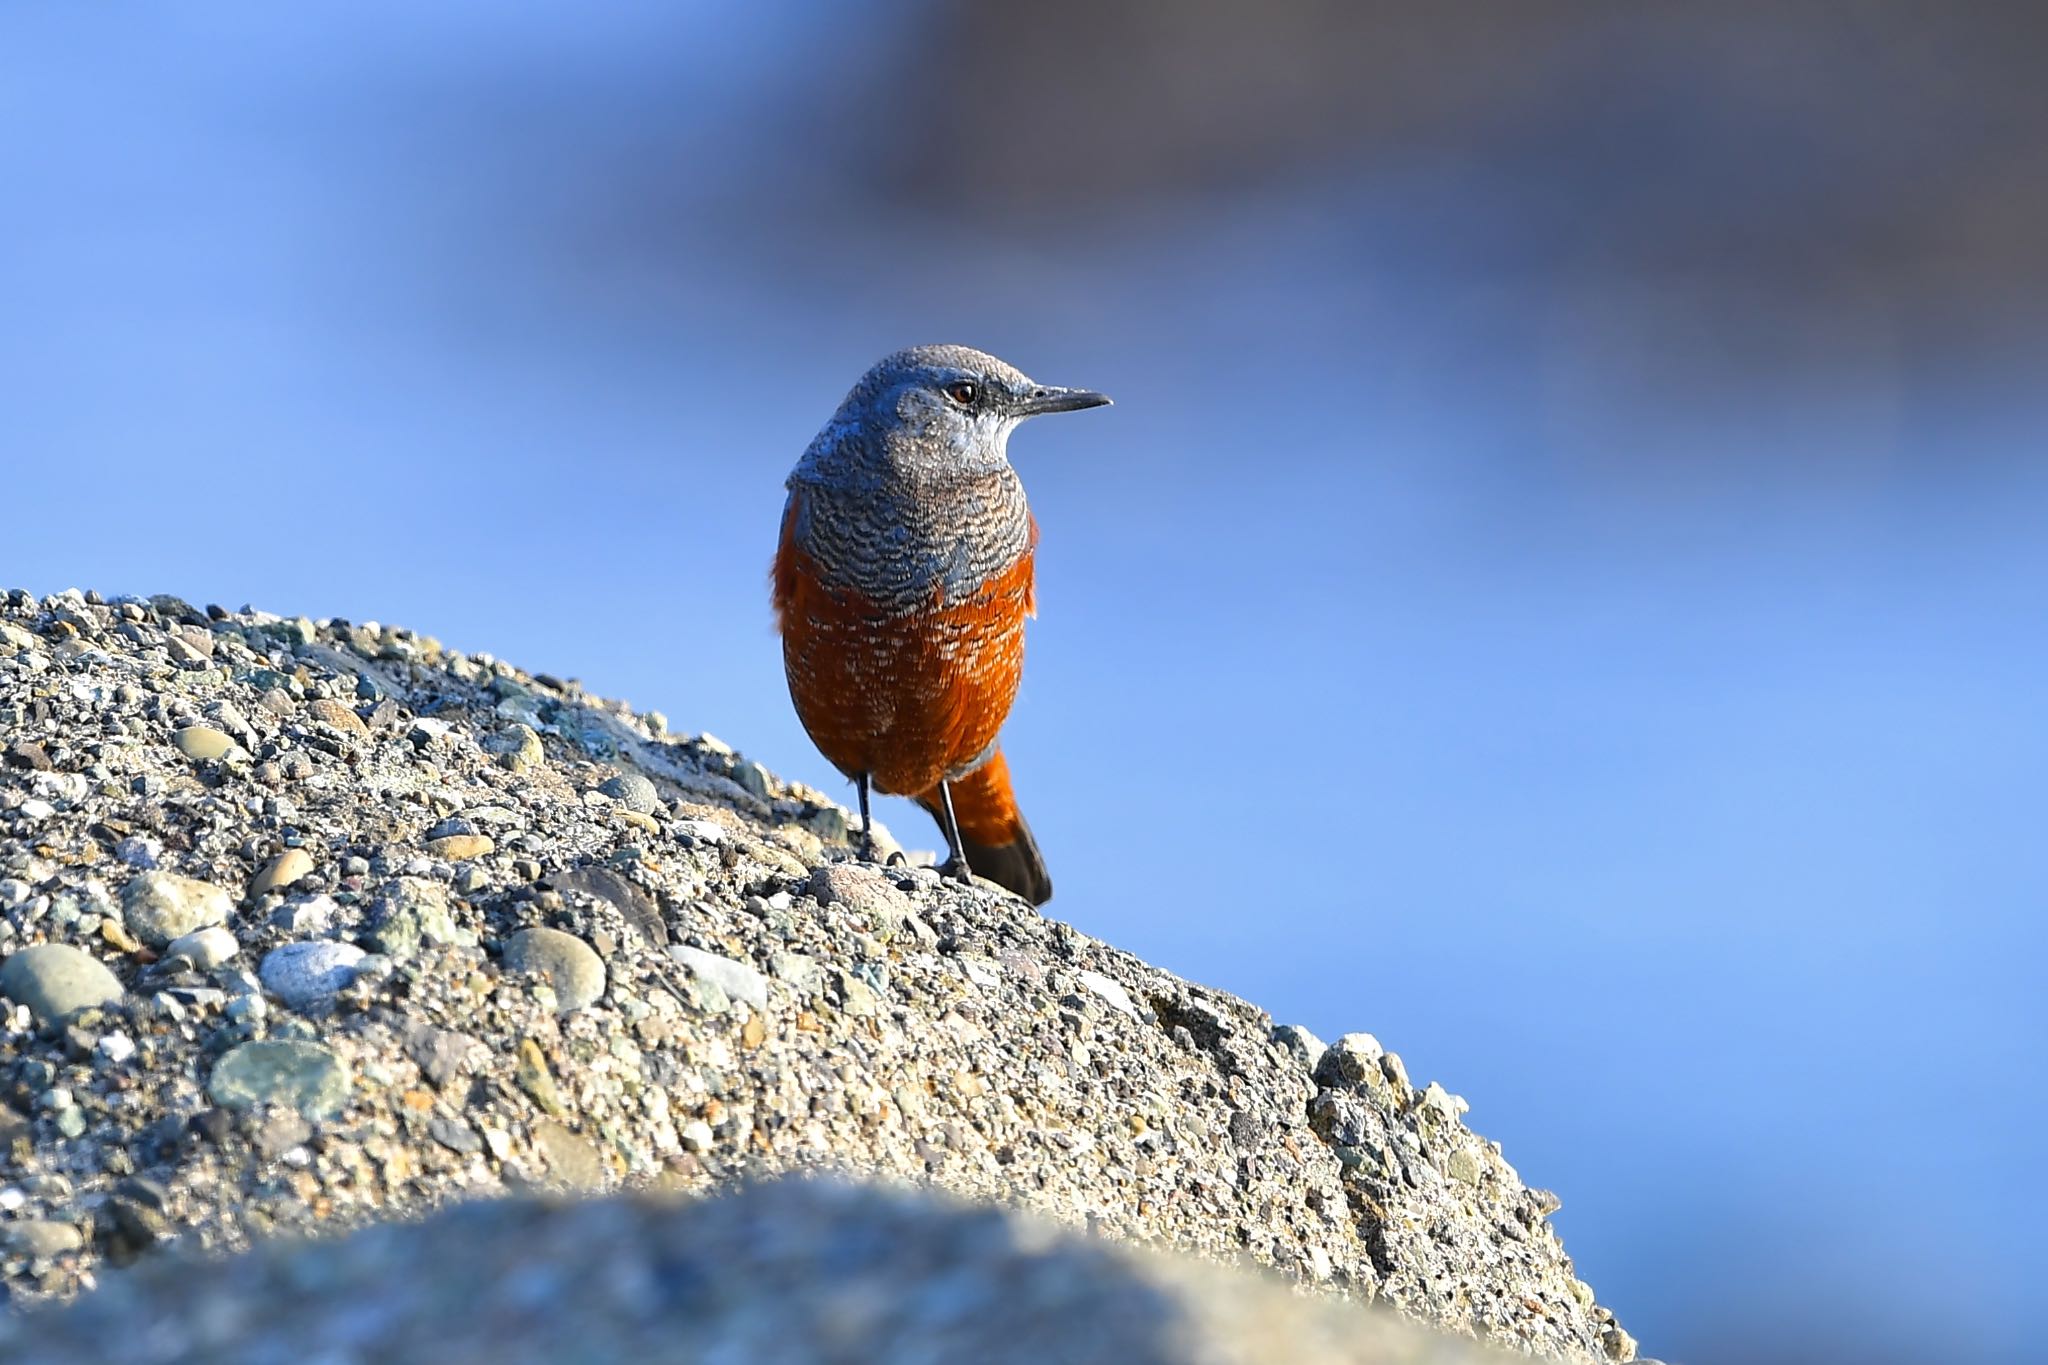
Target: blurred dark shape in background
[{"x": 1575, "y": 504}]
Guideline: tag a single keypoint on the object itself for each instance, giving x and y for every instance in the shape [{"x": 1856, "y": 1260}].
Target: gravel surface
[{"x": 353, "y": 926}]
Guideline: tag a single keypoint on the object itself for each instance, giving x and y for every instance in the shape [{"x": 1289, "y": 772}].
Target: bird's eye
[{"x": 963, "y": 392}]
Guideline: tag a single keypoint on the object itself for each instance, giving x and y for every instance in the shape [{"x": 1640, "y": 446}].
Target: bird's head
[{"x": 938, "y": 410}]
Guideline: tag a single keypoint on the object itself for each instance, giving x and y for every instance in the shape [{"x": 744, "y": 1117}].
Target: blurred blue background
[{"x": 1562, "y": 587}]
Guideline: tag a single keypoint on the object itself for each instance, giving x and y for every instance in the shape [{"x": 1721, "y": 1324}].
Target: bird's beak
[{"x": 1046, "y": 398}]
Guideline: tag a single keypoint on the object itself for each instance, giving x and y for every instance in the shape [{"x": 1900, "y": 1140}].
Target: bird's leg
[
  {"x": 867, "y": 820},
  {"x": 957, "y": 864}
]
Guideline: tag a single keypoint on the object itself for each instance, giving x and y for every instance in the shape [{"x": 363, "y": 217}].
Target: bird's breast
[{"x": 911, "y": 549}]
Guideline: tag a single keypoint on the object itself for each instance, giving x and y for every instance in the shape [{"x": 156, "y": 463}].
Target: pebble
[
  {"x": 752, "y": 777},
  {"x": 307, "y": 976},
  {"x": 633, "y": 791},
  {"x": 736, "y": 979},
  {"x": 861, "y": 888},
  {"x": 1353, "y": 1060},
  {"x": 1109, "y": 990},
  {"x": 1300, "y": 1044},
  {"x": 414, "y": 912},
  {"x": 516, "y": 748},
  {"x": 39, "y": 1238},
  {"x": 283, "y": 870},
  {"x": 203, "y": 743},
  {"x": 460, "y": 847},
  {"x": 56, "y": 981},
  {"x": 160, "y": 906},
  {"x": 25, "y": 753},
  {"x": 204, "y": 949},
  {"x": 339, "y": 715},
  {"x": 306, "y": 1076},
  {"x": 566, "y": 962}
]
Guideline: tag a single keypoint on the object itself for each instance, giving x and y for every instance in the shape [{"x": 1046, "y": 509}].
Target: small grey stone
[
  {"x": 454, "y": 1134},
  {"x": 441, "y": 1054},
  {"x": 56, "y": 981},
  {"x": 571, "y": 966},
  {"x": 752, "y": 777},
  {"x": 307, "y": 976},
  {"x": 279, "y": 1133},
  {"x": 516, "y": 747},
  {"x": 1302, "y": 1045},
  {"x": 1353, "y": 1060},
  {"x": 305, "y": 1076},
  {"x": 161, "y": 906},
  {"x": 856, "y": 997},
  {"x": 412, "y": 912},
  {"x": 736, "y": 979},
  {"x": 633, "y": 791}
]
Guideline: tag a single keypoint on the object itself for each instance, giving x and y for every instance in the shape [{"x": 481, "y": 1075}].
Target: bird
[{"x": 902, "y": 579}]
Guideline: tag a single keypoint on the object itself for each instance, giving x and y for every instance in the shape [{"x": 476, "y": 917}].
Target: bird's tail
[{"x": 999, "y": 843}]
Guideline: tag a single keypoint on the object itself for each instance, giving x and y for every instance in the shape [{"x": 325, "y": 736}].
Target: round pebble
[
  {"x": 306, "y": 1076},
  {"x": 203, "y": 743},
  {"x": 568, "y": 964},
  {"x": 205, "y": 948},
  {"x": 286, "y": 868},
  {"x": 633, "y": 791},
  {"x": 160, "y": 906},
  {"x": 307, "y": 976},
  {"x": 56, "y": 981}
]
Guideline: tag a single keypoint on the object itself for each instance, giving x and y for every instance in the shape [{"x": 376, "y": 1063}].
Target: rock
[
  {"x": 459, "y": 847},
  {"x": 601, "y": 883},
  {"x": 203, "y": 743},
  {"x": 572, "y": 1161},
  {"x": 39, "y": 1238},
  {"x": 307, "y": 976},
  {"x": 442, "y": 1055},
  {"x": 413, "y": 912},
  {"x": 1353, "y": 1060},
  {"x": 204, "y": 949},
  {"x": 566, "y": 962},
  {"x": 305, "y": 1076},
  {"x": 56, "y": 981},
  {"x": 160, "y": 906},
  {"x": 339, "y": 715},
  {"x": 517, "y": 748},
  {"x": 737, "y": 980},
  {"x": 898, "y": 1025},
  {"x": 863, "y": 889},
  {"x": 283, "y": 870},
  {"x": 753, "y": 778},
  {"x": 1110, "y": 991},
  {"x": 1300, "y": 1044},
  {"x": 633, "y": 791},
  {"x": 25, "y": 753}
]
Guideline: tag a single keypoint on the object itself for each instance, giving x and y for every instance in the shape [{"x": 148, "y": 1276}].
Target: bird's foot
[{"x": 957, "y": 869}]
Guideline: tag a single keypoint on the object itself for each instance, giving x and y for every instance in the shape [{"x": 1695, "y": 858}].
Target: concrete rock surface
[{"x": 756, "y": 1015}]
